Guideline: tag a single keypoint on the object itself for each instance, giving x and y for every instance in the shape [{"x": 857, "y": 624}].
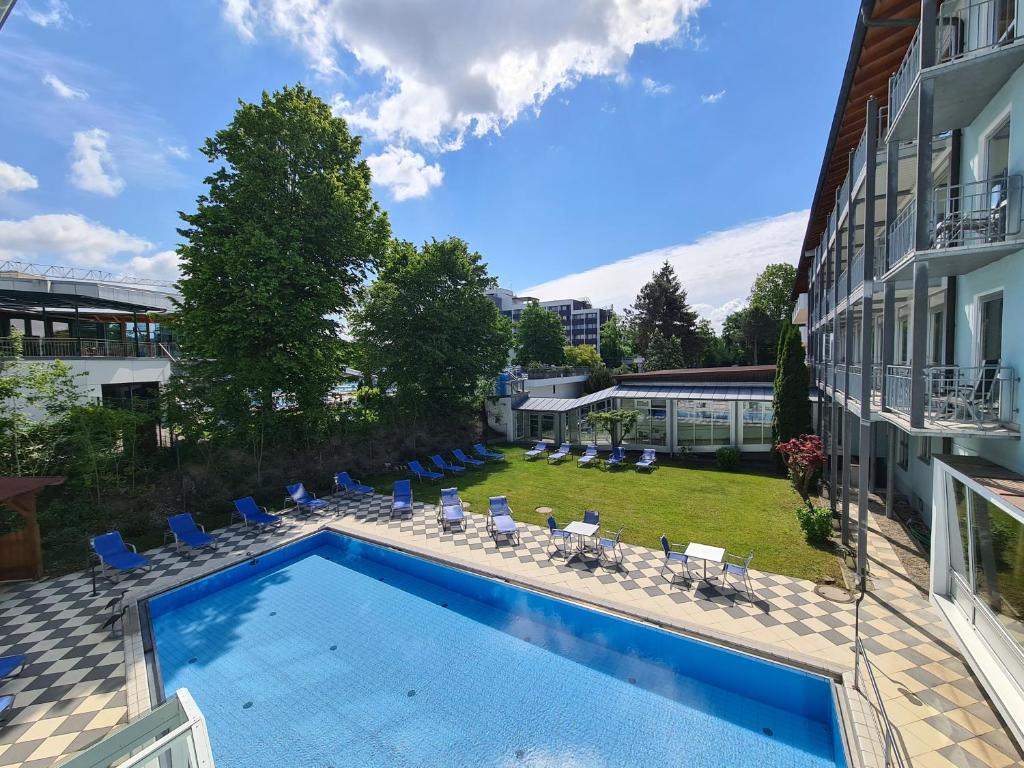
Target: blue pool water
[{"x": 335, "y": 652}]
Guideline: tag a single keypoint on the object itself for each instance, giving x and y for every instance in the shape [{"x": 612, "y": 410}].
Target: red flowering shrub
[{"x": 804, "y": 457}]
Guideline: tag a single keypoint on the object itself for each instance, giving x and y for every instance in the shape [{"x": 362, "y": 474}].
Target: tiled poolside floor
[{"x": 74, "y": 689}]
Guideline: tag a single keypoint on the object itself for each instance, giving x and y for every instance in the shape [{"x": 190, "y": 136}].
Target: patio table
[
  {"x": 706, "y": 553},
  {"x": 582, "y": 532}
]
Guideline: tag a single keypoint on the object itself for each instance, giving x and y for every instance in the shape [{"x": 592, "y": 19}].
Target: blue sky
[{"x": 575, "y": 145}]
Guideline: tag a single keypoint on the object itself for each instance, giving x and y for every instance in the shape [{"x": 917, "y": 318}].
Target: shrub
[
  {"x": 727, "y": 458},
  {"x": 816, "y": 523}
]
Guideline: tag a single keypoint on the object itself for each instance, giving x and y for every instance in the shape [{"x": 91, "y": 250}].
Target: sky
[{"x": 575, "y": 145}]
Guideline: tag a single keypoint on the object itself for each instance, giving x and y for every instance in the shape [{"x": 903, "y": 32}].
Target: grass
[{"x": 741, "y": 511}]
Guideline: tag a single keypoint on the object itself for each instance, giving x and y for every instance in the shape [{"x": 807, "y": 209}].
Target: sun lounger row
[
  {"x": 590, "y": 456},
  {"x": 442, "y": 466}
]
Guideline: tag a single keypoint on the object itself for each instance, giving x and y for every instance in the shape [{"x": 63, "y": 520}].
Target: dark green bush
[
  {"x": 816, "y": 523},
  {"x": 727, "y": 458}
]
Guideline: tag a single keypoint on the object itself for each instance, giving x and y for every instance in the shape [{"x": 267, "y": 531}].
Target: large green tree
[
  {"x": 614, "y": 342},
  {"x": 751, "y": 336},
  {"x": 583, "y": 356},
  {"x": 772, "y": 289},
  {"x": 285, "y": 233},
  {"x": 426, "y": 328},
  {"x": 540, "y": 338},
  {"x": 664, "y": 353},
  {"x": 791, "y": 407},
  {"x": 661, "y": 306}
]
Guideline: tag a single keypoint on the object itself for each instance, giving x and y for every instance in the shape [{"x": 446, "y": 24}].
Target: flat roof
[
  {"x": 716, "y": 392},
  {"x": 735, "y": 374}
]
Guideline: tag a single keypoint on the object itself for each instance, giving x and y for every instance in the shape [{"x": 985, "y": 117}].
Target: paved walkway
[{"x": 74, "y": 688}]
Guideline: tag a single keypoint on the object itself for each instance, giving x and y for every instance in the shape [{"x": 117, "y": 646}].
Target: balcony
[
  {"x": 976, "y": 51},
  {"x": 970, "y": 225},
  {"x": 968, "y": 401},
  {"x": 67, "y": 347}
]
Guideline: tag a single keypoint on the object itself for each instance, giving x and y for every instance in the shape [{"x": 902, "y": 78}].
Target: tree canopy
[
  {"x": 664, "y": 353},
  {"x": 791, "y": 408},
  {"x": 583, "y": 356},
  {"x": 426, "y": 328},
  {"x": 661, "y": 306},
  {"x": 771, "y": 291},
  {"x": 540, "y": 338},
  {"x": 614, "y": 342}
]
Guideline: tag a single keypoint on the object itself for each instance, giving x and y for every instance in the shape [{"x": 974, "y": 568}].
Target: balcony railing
[
  {"x": 901, "y": 235},
  {"x": 880, "y": 264},
  {"x": 987, "y": 211},
  {"x": 877, "y": 379},
  {"x": 64, "y": 347},
  {"x": 860, "y": 153},
  {"x": 979, "y": 395},
  {"x": 901, "y": 83},
  {"x": 857, "y": 270},
  {"x": 854, "y": 372}
]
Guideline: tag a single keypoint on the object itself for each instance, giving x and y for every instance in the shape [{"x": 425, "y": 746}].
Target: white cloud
[
  {"x": 712, "y": 98},
  {"x": 173, "y": 150},
  {"x": 405, "y": 173},
  {"x": 55, "y": 15},
  {"x": 66, "y": 237},
  {"x": 716, "y": 270},
  {"x": 654, "y": 88},
  {"x": 14, "y": 178},
  {"x": 164, "y": 265},
  {"x": 62, "y": 89},
  {"x": 92, "y": 165},
  {"x": 452, "y": 67}
]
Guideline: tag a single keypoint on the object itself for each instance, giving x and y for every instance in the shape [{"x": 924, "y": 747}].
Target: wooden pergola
[{"x": 21, "y": 552}]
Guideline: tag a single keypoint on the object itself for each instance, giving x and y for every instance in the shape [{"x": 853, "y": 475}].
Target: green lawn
[{"x": 740, "y": 511}]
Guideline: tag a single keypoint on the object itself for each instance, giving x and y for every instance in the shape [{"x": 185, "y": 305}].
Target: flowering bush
[{"x": 804, "y": 457}]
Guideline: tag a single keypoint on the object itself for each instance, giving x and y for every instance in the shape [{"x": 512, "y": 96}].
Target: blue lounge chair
[
  {"x": 187, "y": 532},
  {"x": 343, "y": 482},
  {"x": 561, "y": 539},
  {"x": 610, "y": 545},
  {"x": 450, "y": 511},
  {"x": 738, "y": 569},
  {"x": 8, "y": 665},
  {"x": 539, "y": 449},
  {"x": 444, "y": 466},
  {"x": 251, "y": 514},
  {"x": 401, "y": 497},
  {"x": 487, "y": 453},
  {"x": 500, "y": 522},
  {"x": 674, "y": 556},
  {"x": 6, "y": 709},
  {"x": 617, "y": 459},
  {"x": 421, "y": 473},
  {"x": 466, "y": 461},
  {"x": 563, "y": 450},
  {"x": 112, "y": 552},
  {"x": 647, "y": 459},
  {"x": 304, "y": 500},
  {"x": 589, "y": 456}
]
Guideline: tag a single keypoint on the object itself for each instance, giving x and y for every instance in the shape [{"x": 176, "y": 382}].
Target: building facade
[
  {"x": 581, "y": 321},
  {"x": 910, "y": 280}
]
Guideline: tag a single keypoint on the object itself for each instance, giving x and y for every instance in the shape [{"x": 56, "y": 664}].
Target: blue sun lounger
[
  {"x": 112, "y": 552},
  {"x": 444, "y": 466},
  {"x": 466, "y": 461},
  {"x": 423, "y": 474},
  {"x": 6, "y": 709},
  {"x": 617, "y": 459},
  {"x": 252, "y": 514},
  {"x": 8, "y": 665},
  {"x": 538, "y": 449},
  {"x": 343, "y": 482},
  {"x": 563, "y": 450},
  {"x": 449, "y": 511},
  {"x": 401, "y": 497},
  {"x": 647, "y": 459},
  {"x": 187, "y": 532},
  {"x": 500, "y": 522},
  {"x": 304, "y": 500},
  {"x": 589, "y": 457},
  {"x": 487, "y": 453}
]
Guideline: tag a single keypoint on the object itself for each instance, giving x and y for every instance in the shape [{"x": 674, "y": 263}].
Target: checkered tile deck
[{"x": 74, "y": 688}]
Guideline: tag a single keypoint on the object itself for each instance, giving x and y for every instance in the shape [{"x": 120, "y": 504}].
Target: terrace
[{"x": 83, "y": 680}]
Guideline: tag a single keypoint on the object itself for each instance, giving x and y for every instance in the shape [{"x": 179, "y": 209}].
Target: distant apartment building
[
  {"x": 911, "y": 283},
  {"x": 582, "y": 321}
]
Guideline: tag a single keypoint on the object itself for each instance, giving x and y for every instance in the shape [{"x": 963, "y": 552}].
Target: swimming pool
[{"x": 335, "y": 652}]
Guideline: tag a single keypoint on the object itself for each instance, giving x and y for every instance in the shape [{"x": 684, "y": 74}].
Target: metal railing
[
  {"x": 879, "y": 263},
  {"x": 854, "y": 372},
  {"x": 551, "y": 372},
  {"x": 857, "y": 270},
  {"x": 897, "y": 388},
  {"x": 877, "y": 379},
  {"x": 901, "y": 235},
  {"x": 976, "y": 395},
  {"x": 859, "y": 154},
  {"x": 891, "y": 755},
  {"x": 63, "y": 347},
  {"x": 973, "y": 26},
  {"x": 58, "y": 272},
  {"x": 902, "y": 82},
  {"x": 986, "y": 211}
]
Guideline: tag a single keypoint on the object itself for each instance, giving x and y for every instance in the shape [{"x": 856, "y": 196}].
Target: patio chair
[
  {"x": 539, "y": 449},
  {"x": 647, "y": 459},
  {"x": 254, "y": 515},
  {"x": 112, "y": 552},
  {"x": 487, "y": 453},
  {"x": 6, "y": 709},
  {"x": 186, "y": 531},
  {"x": 304, "y": 500},
  {"x": 739, "y": 568},
  {"x": 589, "y": 456},
  {"x": 344, "y": 482},
  {"x": 500, "y": 522},
  {"x": 610, "y": 544},
  {"x": 563, "y": 450},
  {"x": 673, "y": 555},
  {"x": 617, "y": 459},
  {"x": 592, "y": 517},
  {"x": 450, "y": 511},
  {"x": 444, "y": 466},
  {"x": 974, "y": 401},
  {"x": 466, "y": 461},
  {"x": 561, "y": 539},
  {"x": 421, "y": 473},
  {"x": 11, "y": 666},
  {"x": 401, "y": 497}
]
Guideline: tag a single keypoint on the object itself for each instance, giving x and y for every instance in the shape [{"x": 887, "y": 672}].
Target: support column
[
  {"x": 949, "y": 318},
  {"x": 918, "y": 344},
  {"x": 849, "y": 429},
  {"x": 890, "y": 472},
  {"x": 849, "y": 423},
  {"x": 888, "y": 336}
]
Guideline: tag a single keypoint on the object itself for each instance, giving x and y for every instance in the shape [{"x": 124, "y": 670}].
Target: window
[
  {"x": 902, "y": 352},
  {"x": 903, "y": 450},
  {"x": 757, "y": 423},
  {"x": 990, "y": 344},
  {"x": 936, "y": 337},
  {"x": 651, "y": 424},
  {"x": 702, "y": 423},
  {"x": 924, "y": 449}
]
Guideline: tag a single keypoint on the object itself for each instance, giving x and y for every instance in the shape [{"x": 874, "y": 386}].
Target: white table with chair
[{"x": 707, "y": 554}]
